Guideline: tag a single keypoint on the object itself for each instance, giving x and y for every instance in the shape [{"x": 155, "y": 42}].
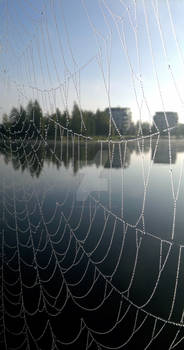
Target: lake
[{"x": 92, "y": 244}]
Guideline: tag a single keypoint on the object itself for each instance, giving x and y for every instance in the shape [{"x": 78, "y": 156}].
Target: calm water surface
[{"x": 83, "y": 228}]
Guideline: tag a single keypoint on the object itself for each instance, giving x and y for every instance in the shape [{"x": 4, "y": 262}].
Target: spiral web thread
[{"x": 63, "y": 249}]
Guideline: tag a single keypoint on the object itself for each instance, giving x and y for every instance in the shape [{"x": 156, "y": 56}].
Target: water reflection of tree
[
  {"x": 23, "y": 157},
  {"x": 32, "y": 156},
  {"x": 119, "y": 157}
]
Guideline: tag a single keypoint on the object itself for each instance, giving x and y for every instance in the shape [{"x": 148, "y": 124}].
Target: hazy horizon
[{"x": 128, "y": 54}]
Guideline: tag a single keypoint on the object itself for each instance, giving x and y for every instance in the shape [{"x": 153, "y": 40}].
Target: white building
[
  {"x": 161, "y": 117},
  {"x": 122, "y": 118}
]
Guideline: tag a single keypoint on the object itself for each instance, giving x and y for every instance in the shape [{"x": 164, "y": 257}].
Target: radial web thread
[{"x": 70, "y": 269}]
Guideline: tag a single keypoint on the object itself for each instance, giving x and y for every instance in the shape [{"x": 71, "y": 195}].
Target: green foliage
[
  {"x": 76, "y": 119},
  {"x": 145, "y": 128},
  {"x": 89, "y": 121},
  {"x": 30, "y": 122},
  {"x": 179, "y": 130},
  {"x": 102, "y": 122}
]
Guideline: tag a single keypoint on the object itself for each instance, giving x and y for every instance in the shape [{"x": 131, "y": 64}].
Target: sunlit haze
[{"x": 106, "y": 53}]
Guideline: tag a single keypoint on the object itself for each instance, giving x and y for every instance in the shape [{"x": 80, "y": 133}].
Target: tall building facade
[
  {"x": 122, "y": 118},
  {"x": 160, "y": 120}
]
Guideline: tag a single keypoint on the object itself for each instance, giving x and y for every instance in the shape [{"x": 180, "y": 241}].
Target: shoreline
[{"x": 97, "y": 139}]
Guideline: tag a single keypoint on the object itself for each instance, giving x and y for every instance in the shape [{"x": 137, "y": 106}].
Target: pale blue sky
[{"x": 138, "y": 44}]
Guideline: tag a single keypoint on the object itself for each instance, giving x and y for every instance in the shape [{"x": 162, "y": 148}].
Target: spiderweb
[{"x": 83, "y": 270}]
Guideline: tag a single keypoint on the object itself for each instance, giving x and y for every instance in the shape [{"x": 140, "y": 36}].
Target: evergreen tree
[
  {"x": 102, "y": 122},
  {"x": 76, "y": 119}
]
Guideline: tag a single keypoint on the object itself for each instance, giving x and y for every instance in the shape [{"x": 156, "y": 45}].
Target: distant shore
[{"x": 96, "y": 139}]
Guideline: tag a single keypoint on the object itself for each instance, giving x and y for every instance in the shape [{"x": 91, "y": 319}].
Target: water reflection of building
[
  {"x": 161, "y": 155},
  {"x": 77, "y": 156},
  {"x": 100, "y": 158},
  {"x": 120, "y": 157},
  {"x": 65, "y": 154}
]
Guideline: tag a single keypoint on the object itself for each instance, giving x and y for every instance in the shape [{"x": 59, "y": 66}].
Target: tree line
[{"x": 31, "y": 121}]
